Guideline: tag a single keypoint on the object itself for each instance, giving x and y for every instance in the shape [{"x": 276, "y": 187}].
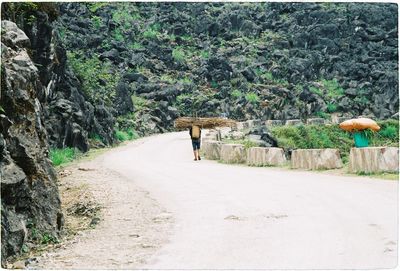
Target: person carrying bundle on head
[{"x": 195, "y": 135}]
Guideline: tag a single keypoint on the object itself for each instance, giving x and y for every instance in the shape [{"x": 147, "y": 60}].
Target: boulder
[
  {"x": 258, "y": 156},
  {"x": 233, "y": 153},
  {"x": 12, "y": 36},
  {"x": 314, "y": 159},
  {"x": 374, "y": 159},
  {"x": 212, "y": 149}
]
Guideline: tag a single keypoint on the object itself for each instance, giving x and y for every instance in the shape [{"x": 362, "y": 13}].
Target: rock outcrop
[
  {"x": 260, "y": 60},
  {"x": 30, "y": 204}
]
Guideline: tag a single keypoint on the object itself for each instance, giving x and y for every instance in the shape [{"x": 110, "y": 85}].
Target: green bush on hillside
[{"x": 252, "y": 97}]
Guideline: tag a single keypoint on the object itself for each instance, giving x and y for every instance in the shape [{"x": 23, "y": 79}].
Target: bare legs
[{"x": 196, "y": 155}]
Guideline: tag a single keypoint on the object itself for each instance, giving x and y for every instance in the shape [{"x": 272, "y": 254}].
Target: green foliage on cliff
[{"x": 97, "y": 77}]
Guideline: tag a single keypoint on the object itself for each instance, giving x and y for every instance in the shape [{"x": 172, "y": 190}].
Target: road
[{"x": 238, "y": 217}]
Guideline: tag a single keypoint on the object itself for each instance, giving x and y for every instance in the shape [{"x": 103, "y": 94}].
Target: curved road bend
[{"x": 238, "y": 217}]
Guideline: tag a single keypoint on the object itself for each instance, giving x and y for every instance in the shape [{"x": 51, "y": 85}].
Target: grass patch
[
  {"x": 63, "y": 156},
  {"x": 126, "y": 135}
]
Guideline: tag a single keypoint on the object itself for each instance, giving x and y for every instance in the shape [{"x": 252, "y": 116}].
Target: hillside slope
[{"x": 248, "y": 60}]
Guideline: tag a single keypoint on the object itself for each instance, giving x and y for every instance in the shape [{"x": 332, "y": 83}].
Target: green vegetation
[
  {"x": 214, "y": 84},
  {"x": 168, "y": 78},
  {"x": 333, "y": 89},
  {"x": 331, "y": 107},
  {"x": 48, "y": 238},
  {"x": 128, "y": 134},
  {"x": 236, "y": 93},
  {"x": 252, "y": 97},
  {"x": 96, "y": 21},
  {"x": 152, "y": 32},
  {"x": 98, "y": 81},
  {"x": 315, "y": 90},
  {"x": 185, "y": 80},
  {"x": 62, "y": 156},
  {"x": 178, "y": 54},
  {"x": 204, "y": 54},
  {"x": 94, "y": 6}
]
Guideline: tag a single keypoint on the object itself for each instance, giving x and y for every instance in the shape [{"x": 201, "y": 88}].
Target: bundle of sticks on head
[{"x": 207, "y": 123}]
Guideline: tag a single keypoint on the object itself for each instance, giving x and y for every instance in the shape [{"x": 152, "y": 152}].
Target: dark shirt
[{"x": 190, "y": 133}]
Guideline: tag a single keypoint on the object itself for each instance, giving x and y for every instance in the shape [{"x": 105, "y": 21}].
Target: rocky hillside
[{"x": 247, "y": 60}]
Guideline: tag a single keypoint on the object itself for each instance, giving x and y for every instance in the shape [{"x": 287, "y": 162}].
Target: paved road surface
[{"x": 237, "y": 217}]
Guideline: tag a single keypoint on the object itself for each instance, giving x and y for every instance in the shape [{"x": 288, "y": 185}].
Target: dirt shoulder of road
[{"x": 110, "y": 223}]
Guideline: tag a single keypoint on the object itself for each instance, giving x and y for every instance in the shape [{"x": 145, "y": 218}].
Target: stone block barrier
[
  {"x": 313, "y": 159},
  {"x": 294, "y": 122},
  {"x": 374, "y": 159},
  {"x": 258, "y": 156},
  {"x": 212, "y": 149},
  {"x": 233, "y": 153}
]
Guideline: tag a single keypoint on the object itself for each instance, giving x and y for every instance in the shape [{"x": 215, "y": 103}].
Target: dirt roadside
[{"x": 110, "y": 222}]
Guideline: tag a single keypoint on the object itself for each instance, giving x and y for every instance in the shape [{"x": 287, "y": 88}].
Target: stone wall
[
  {"x": 313, "y": 159},
  {"x": 374, "y": 159}
]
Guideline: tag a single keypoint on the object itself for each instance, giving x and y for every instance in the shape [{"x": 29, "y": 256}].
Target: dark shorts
[{"x": 196, "y": 144}]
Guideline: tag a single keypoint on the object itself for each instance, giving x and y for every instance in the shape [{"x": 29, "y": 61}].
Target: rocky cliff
[
  {"x": 41, "y": 105},
  {"x": 30, "y": 204},
  {"x": 247, "y": 60}
]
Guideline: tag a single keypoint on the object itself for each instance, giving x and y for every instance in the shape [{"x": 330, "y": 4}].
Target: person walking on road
[{"x": 195, "y": 135}]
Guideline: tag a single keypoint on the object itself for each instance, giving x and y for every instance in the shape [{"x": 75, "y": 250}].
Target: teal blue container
[{"x": 360, "y": 140}]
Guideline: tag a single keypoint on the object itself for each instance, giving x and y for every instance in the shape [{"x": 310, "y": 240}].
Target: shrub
[
  {"x": 236, "y": 93},
  {"x": 185, "y": 80},
  {"x": 167, "y": 78},
  {"x": 204, "y": 54},
  {"x": 150, "y": 33},
  {"x": 333, "y": 88},
  {"x": 96, "y": 21},
  {"x": 252, "y": 97},
  {"x": 322, "y": 115},
  {"x": 121, "y": 135},
  {"x": 178, "y": 54},
  {"x": 62, "y": 156},
  {"x": 316, "y": 91},
  {"x": 132, "y": 134},
  {"x": 331, "y": 107}
]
